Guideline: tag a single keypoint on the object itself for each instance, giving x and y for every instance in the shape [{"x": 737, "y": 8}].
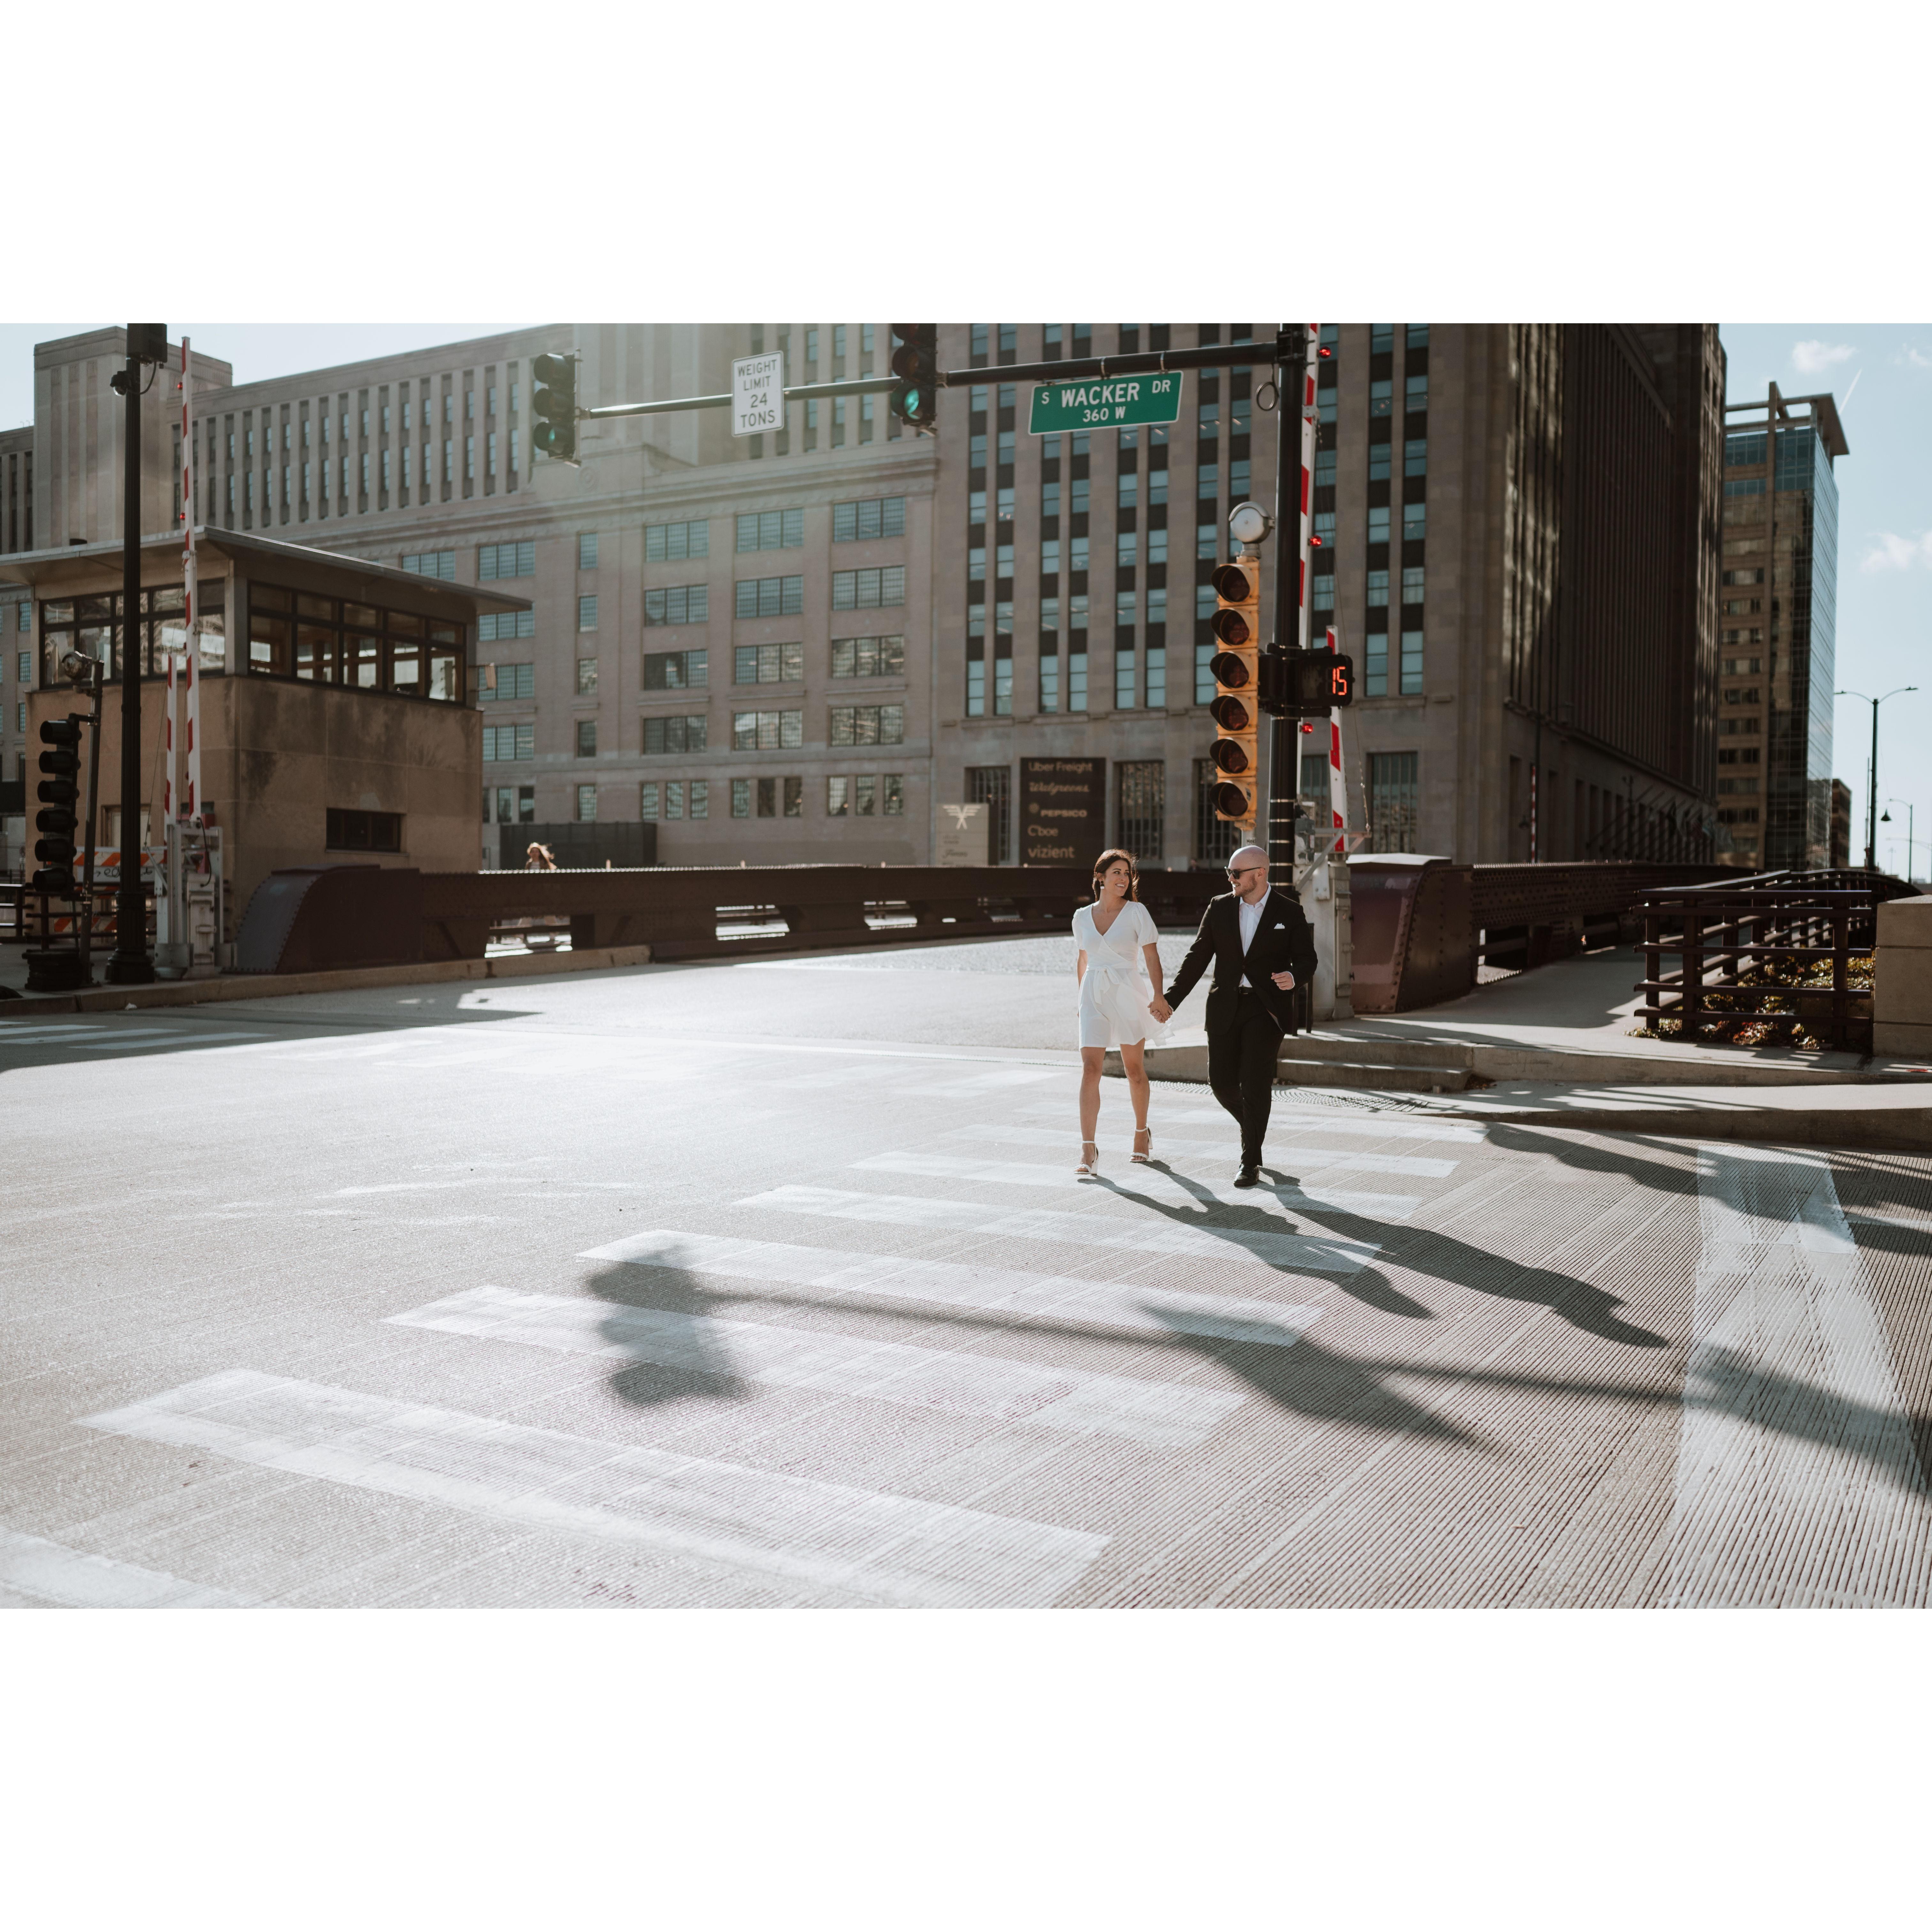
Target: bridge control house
[{"x": 337, "y": 703}]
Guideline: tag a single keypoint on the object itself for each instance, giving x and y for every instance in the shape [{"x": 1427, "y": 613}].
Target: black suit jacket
[{"x": 1284, "y": 942}]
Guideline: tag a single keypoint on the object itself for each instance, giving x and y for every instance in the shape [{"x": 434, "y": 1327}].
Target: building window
[
  {"x": 586, "y": 737},
  {"x": 587, "y": 551},
  {"x": 770, "y": 596},
  {"x": 1413, "y": 581},
  {"x": 1415, "y": 394},
  {"x": 1378, "y": 522},
  {"x": 867, "y": 657},
  {"x": 1076, "y": 672},
  {"x": 502, "y": 626},
  {"x": 1374, "y": 664},
  {"x": 586, "y": 613},
  {"x": 1123, "y": 677},
  {"x": 587, "y": 677},
  {"x": 741, "y": 798},
  {"x": 1411, "y": 663},
  {"x": 676, "y": 670},
  {"x": 365, "y": 831},
  {"x": 504, "y": 743},
  {"x": 881, "y": 517},
  {"x": 976, "y": 675},
  {"x": 587, "y": 803},
  {"x": 1393, "y": 801},
  {"x": 992, "y": 786},
  {"x": 668, "y": 736},
  {"x": 867, "y": 725},
  {"x": 1414, "y": 522},
  {"x": 771, "y": 529},
  {"x": 767, "y": 663},
  {"x": 1141, "y": 810},
  {"x": 513, "y": 681},
  {"x": 678, "y": 604},
  {"x": 440, "y": 563},
  {"x": 1415, "y": 457},
  {"x": 671, "y": 543},
  {"x": 506, "y": 559},
  {"x": 767, "y": 730},
  {"x": 1049, "y": 679},
  {"x": 866, "y": 589}
]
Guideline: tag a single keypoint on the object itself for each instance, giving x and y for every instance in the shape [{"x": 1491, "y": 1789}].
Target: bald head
[{"x": 1247, "y": 871}]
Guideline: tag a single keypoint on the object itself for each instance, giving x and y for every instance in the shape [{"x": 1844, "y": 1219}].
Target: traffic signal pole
[
  {"x": 1290, "y": 589},
  {"x": 130, "y": 966}
]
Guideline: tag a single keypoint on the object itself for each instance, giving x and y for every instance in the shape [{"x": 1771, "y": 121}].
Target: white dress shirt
[{"x": 1251, "y": 924}]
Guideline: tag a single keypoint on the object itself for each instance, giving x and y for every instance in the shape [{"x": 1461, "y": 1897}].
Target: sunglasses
[{"x": 1244, "y": 871}]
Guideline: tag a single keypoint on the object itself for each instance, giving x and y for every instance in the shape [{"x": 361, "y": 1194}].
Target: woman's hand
[{"x": 1160, "y": 1009}]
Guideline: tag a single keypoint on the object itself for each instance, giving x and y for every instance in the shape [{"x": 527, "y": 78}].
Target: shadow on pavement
[{"x": 76, "y": 1038}]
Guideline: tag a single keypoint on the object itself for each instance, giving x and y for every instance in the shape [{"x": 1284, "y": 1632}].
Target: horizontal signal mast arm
[
  {"x": 860, "y": 385},
  {"x": 1150, "y": 361}
]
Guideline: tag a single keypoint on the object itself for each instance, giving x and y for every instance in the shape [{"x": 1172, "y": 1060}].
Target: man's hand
[
  {"x": 1160, "y": 1009},
  {"x": 1285, "y": 981}
]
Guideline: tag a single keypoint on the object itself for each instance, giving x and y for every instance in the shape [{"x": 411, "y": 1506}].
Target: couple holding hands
[{"x": 1261, "y": 946}]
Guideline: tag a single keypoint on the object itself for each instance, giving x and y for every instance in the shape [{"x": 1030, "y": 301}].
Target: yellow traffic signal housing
[{"x": 1236, "y": 709}]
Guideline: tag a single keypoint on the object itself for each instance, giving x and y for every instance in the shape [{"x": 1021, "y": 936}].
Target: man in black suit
[{"x": 1261, "y": 946}]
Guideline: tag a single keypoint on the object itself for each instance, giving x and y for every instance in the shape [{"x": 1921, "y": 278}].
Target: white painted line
[
  {"x": 50, "y": 1573},
  {"x": 959, "y": 1383},
  {"x": 1797, "y": 1481},
  {"x": 998, "y": 1081},
  {"x": 1144, "y": 1184},
  {"x": 828, "y": 1542},
  {"x": 1295, "y": 1253},
  {"x": 92, "y": 1036},
  {"x": 1303, "y": 1157},
  {"x": 1142, "y": 1307},
  {"x": 1395, "y": 1126}
]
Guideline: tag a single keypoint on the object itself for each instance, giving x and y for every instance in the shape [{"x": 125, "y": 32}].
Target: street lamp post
[{"x": 1871, "y": 803}]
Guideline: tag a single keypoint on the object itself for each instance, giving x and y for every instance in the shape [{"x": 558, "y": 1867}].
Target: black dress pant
[{"x": 1241, "y": 1059}]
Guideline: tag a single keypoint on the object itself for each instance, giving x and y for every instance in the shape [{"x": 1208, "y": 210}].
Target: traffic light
[
  {"x": 1306, "y": 684},
  {"x": 59, "y": 820},
  {"x": 1236, "y": 709},
  {"x": 553, "y": 404},
  {"x": 915, "y": 401}
]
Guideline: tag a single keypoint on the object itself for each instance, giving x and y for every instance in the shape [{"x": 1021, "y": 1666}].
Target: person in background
[
  {"x": 1117, "y": 968},
  {"x": 1261, "y": 946}
]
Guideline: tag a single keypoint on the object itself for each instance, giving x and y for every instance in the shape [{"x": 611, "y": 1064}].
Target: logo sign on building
[
  {"x": 757, "y": 395},
  {"x": 964, "y": 830},
  {"x": 1063, "y": 810},
  {"x": 1100, "y": 403}
]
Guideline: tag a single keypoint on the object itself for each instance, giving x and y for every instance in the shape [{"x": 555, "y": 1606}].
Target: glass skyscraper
[{"x": 1777, "y": 642}]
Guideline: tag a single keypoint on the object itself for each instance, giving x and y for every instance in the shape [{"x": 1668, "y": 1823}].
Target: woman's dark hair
[{"x": 1106, "y": 859}]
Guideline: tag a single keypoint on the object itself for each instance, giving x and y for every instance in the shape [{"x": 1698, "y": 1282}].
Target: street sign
[
  {"x": 757, "y": 395},
  {"x": 1096, "y": 403},
  {"x": 1063, "y": 810}
]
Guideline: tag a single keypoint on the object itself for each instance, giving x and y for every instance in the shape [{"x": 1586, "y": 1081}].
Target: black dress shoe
[{"x": 1248, "y": 1176}]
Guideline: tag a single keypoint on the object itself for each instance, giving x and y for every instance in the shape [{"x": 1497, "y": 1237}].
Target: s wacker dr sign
[{"x": 1100, "y": 403}]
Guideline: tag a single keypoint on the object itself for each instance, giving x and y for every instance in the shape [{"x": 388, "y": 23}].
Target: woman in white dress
[{"x": 1118, "y": 969}]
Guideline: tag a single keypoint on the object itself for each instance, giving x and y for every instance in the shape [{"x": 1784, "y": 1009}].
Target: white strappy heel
[
  {"x": 1143, "y": 1156},
  {"x": 1089, "y": 1169}
]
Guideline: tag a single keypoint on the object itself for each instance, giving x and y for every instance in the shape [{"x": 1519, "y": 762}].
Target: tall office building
[
  {"x": 1779, "y": 627},
  {"x": 1519, "y": 532}
]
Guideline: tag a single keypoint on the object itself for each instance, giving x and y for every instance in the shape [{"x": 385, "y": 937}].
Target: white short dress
[{"x": 1113, "y": 991}]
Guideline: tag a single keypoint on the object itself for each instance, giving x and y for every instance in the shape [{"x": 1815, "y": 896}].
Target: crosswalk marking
[
  {"x": 1797, "y": 1481},
  {"x": 1304, "y": 1157},
  {"x": 1155, "y": 1413},
  {"x": 1148, "y": 1183},
  {"x": 1295, "y": 1253},
  {"x": 1377, "y": 1126},
  {"x": 34, "y": 1571},
  {"x": 171, "y": 1035},
  {"x": 825, "y": 1541},
  {"x": 1142, "y": 1307}
]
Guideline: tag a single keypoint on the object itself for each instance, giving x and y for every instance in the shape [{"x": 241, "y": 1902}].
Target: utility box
[{"x": 1323, "y": 886}]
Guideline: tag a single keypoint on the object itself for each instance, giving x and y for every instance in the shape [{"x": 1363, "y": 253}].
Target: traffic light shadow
[{"x": 1422, "y": 1251}]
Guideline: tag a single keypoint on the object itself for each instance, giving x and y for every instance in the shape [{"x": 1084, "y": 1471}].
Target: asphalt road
[{"x": 769, "y": 1283}]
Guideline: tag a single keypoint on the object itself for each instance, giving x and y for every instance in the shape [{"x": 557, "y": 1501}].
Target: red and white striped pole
[
  {"x": 1338, "y": 789},
  {"x": 1312, "y": 332}
]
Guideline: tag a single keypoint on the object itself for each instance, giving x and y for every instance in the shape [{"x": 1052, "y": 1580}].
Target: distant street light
[
  {"x": 1911, "y": 812},
  {"x": 1871, "y": 803}
]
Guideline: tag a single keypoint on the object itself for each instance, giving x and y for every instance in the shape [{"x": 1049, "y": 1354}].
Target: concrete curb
[
  {"x": 1897, "y": 1130},
  {"x": 274, "y": 985}
]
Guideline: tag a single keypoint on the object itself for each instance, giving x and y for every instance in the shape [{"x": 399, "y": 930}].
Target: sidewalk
[{"x": 1557, "y": 1046}]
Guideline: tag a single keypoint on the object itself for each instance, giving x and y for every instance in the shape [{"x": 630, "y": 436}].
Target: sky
[{"x": 1880, "y": 373}]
